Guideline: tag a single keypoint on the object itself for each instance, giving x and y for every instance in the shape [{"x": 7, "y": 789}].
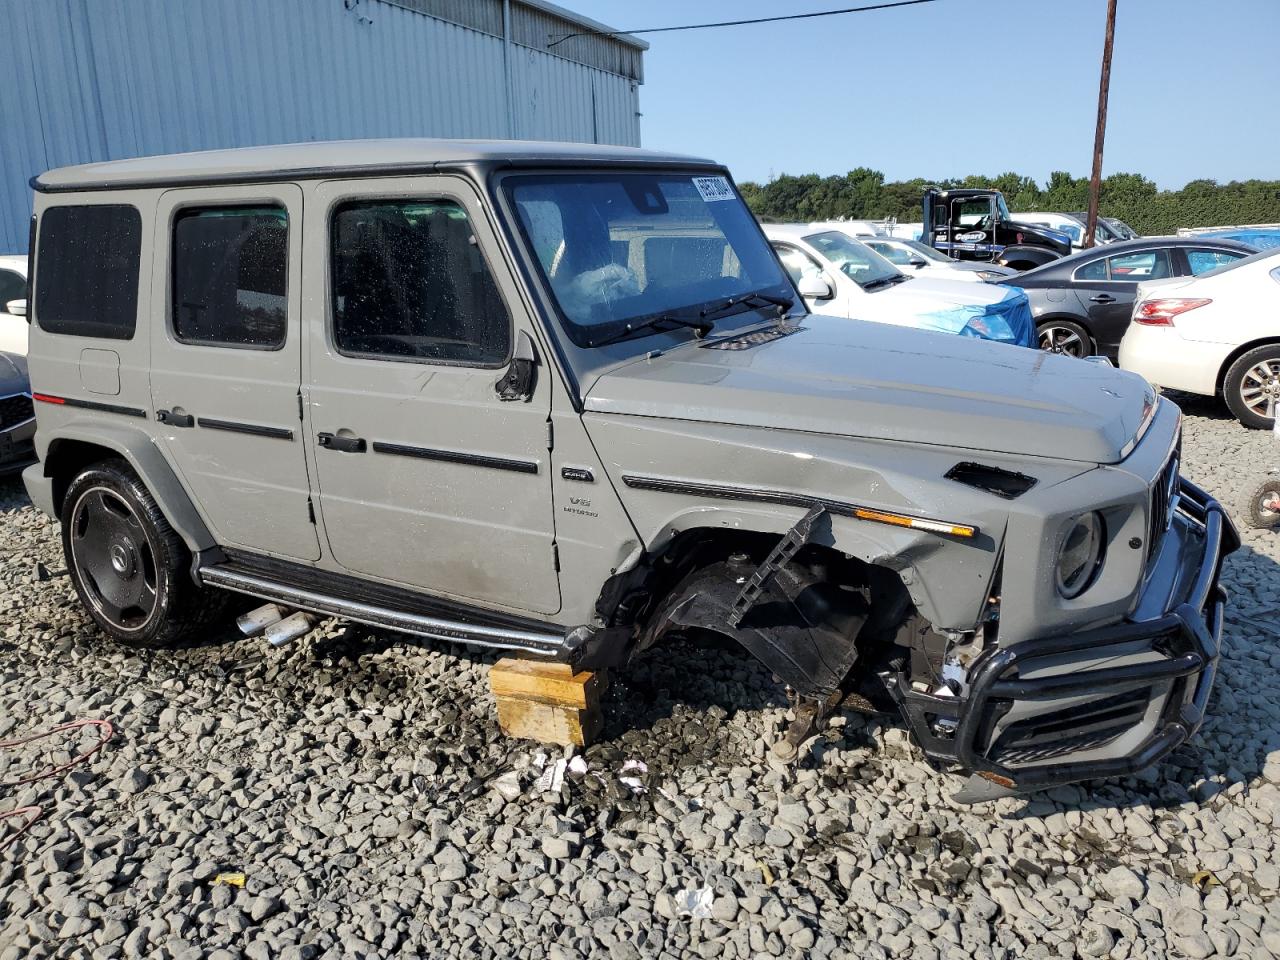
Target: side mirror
[
  {"x": 16, "y": 307},
  {"x": 814, "y": 287},
  {"x": 917, "y": 262},
  {"x": 518, "y": 382}
]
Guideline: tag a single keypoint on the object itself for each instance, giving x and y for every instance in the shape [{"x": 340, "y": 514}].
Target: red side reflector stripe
[{"x": 45, "y": 398}]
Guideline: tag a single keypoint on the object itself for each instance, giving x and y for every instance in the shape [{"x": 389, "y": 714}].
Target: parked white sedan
[
  {"x": 1218, "y": 333},
  {"x": 912, "y": 256},
  {"x": 841, "y": 276},
  {"x": 13, "y": 289}
]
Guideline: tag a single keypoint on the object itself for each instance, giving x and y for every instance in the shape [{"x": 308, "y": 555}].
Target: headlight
[
  {"x": 1080, "y": 555},
  {"x": 990, "y": 275}
]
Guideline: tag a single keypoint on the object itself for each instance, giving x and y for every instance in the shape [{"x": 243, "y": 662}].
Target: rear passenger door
[
  {"x": 426, "y": 476},
  {"x": 226, "y": 361},
  {"x": 1107, "y": 288}
]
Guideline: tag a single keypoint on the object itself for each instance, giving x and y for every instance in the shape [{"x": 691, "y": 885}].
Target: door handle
[
  {"x": 175, "y": 419},
  {"x": 332, "y": 441},
  {"x": 1103, "y": 298}
]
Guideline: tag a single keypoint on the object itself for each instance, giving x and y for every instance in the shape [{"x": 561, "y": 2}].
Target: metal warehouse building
[{"x": 88, "y": 80}]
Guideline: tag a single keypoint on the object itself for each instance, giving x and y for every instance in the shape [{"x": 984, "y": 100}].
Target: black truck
[{"x": 976, "y": 225}]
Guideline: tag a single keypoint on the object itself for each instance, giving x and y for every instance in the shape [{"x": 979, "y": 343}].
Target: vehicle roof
[
  {"x": 334, "y": 157},
  {"x": 798, "y": 231},
  {"x": 1140, "y": 243}
]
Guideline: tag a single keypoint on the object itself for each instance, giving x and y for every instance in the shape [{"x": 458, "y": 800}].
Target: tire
[
  {"x": 1252, "y": 387},
  {"x": 1065, "y": 337},
  {"x": 1261, "y": 508},
  {"x": 130, "y": 569}
]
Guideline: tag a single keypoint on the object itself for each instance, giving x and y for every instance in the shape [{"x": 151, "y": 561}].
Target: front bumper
[
  {"x": 17, "y": 446},
  {"x": 1105, "y": 702}
]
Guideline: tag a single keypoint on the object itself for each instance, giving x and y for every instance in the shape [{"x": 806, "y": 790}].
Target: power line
[{"x": 739, "y": 23}]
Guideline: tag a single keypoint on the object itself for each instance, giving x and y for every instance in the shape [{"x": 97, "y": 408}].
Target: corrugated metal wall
[{"x": 88, "y": 80}]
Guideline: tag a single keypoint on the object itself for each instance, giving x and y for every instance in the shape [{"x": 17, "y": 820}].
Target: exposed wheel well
[
  {"x": 1237, "y": 353},
  {"x": 848, "y": 601},
  {"x": 66, "y": 458}
]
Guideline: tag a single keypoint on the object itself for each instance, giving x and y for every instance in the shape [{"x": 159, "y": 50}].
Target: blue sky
[{"x": 963, "y": 86}]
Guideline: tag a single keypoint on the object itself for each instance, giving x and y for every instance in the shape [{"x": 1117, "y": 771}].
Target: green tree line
[{"x": 863, "y": 194}]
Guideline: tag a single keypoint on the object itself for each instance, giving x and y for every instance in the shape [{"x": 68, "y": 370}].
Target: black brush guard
[{"x": 1188, "y": 638}]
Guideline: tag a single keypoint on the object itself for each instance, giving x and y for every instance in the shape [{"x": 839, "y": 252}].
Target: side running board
[{"x": 531, "y": 642}]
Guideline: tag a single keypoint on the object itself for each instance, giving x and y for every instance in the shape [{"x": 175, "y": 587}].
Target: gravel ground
[{"x": 358, "y": 783}]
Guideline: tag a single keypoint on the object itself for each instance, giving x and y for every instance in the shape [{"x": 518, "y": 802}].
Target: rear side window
[
  {"x": 88, "y": 260},
  {"x": 1152, "y": 265},
  {"x": 230, "y": 276},
  {"x": 410, "y": 283},
  {"x": 1097, "y": 270}
]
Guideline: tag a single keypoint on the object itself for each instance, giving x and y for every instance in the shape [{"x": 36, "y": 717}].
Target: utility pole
[{"x": 1104, "y": 88}]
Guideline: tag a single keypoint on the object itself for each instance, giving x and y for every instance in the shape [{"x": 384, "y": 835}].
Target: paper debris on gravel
[
  {"x": 552, "y": 777},
  {"x": 694, "y": 903}
]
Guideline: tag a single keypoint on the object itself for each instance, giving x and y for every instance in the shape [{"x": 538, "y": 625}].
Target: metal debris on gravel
[{"x": 356, "y": 791}]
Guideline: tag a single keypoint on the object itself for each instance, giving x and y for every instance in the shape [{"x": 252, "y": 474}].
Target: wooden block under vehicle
[{"x": 547, "y": 702}]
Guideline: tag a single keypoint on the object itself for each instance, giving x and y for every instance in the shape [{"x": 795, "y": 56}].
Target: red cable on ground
[{"x": 106, "y": 730}]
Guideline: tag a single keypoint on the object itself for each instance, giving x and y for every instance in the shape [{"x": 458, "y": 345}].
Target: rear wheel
[
  {"x": 1261, "y": 508},
  {"x": 1065, "y": 337},
  {"x": 130, "y": 569},
  {"x": 1252, "y": 387}
]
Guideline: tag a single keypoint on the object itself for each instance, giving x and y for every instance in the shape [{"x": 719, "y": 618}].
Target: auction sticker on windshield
[{"x": 713, "y": 188}]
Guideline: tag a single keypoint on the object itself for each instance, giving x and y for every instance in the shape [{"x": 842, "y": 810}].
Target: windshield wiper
[
  {"x": 755, "y": 298},
  {"x": 700, "y": 327},
  {"x": 879, "y": 282}
]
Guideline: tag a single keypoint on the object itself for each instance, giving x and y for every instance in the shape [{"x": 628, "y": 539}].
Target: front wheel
[
  {"x": 1261, "y": 508},
  {"x": 1252, "y": 387},
  {"x": 129, "y": 567},
  {"x": 1065, "y": 337}
]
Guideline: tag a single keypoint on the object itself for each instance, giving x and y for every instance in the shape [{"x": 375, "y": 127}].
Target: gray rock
[{"x": 1123, "y": 882}]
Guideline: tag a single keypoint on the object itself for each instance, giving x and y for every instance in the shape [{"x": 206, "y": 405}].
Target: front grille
[
  {"x": 1163, "y": 501},
  {"x": 15, "y": 410},
  {"x": 1060, "y": 732}
]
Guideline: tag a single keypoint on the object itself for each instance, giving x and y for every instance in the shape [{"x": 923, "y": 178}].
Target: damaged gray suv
[{"x": 564, "y": 400}]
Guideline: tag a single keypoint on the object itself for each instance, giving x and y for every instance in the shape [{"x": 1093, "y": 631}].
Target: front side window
[
  {"x": 409, "y": 283},
  {"x": 1149, "y": 265},
  {"x": 619, "y": 248},
  {"x": 855, "y": 260},
  {"x": 797, "y": 263},
  {"x": 230, "y": 276},
  {"x": 88, "y": 265},
  {"x": 1202, "y": 261}
]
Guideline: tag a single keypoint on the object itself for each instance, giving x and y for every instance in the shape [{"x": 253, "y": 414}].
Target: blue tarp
[
  {"x": 1008, "y": 320},
  {"x": 1264, "y": 238}
]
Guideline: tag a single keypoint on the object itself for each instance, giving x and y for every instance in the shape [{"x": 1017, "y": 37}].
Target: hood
[
  {"x": 977, "y": 266},
  {"x": 13, "y": 375},
  {"x": 867, "y": 380}
]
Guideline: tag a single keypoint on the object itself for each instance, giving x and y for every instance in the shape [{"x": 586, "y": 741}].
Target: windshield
[
  {"x": 855, "y": 260},
  {"x": 620, "y": 247},
  {"x": 927, "y": 252}
]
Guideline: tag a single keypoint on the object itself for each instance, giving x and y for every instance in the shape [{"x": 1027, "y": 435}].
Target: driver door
[
  {"x": 972, "y": 227},
  {"x": 426, "y": 477}
]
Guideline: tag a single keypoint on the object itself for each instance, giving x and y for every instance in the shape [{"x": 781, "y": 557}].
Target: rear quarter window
[{"x": 88, "y": 262}]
